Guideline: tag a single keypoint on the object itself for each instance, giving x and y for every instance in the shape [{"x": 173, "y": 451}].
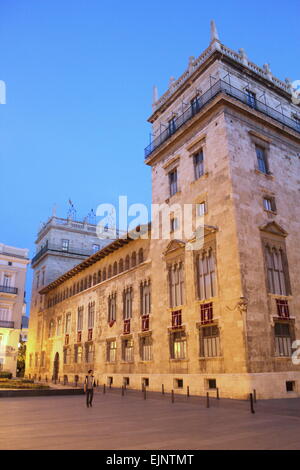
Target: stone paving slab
[{"x": 130, "y": 422}]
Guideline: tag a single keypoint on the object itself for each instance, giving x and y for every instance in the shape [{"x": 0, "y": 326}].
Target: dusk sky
[{"x": 79, "y": 77}]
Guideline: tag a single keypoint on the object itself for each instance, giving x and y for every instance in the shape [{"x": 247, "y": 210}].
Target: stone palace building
[{"x": 223, "y": 313}]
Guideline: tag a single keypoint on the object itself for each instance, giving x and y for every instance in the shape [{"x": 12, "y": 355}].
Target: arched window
[
  {"x": 141, "y": 255},
  {"x": 121, "y": 265},
  {"x": 276, "y": 271},
  {"x": 104, "y": 274},
  {"x": 94, "y": 279},
  {"x": 206, "y": 276},
  {"x": 176, "y": 284},
  {"x": 133, "y": 259},
  {"x": 90, "y": 281},
  {"x": 127, "y": 262},
  {"x": 115, "y": 270},
  {"x": 109, "y": 272},
  {"x": 99, "y": 276},
  {"x": 81, "y": 285}
]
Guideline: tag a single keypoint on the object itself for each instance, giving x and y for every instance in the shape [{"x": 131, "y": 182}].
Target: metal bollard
[
  {"x": 254, "y": 396},
  {"x": 188, "y": 391},
  {"x": 251, "y": 404},
  {"x": 172, "y": 396},
  {"x": 122, "y": 390},
  {"x": 104, "y": 388},
  {"x": 218, "y": 396},
  {"x": 163, "y": 389},
  {"x": 207, "y": 400}
]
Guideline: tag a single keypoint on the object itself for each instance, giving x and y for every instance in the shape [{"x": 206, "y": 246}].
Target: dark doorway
[{"x": 56, "y": 367}]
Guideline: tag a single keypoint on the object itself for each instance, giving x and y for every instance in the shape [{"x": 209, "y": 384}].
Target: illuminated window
[
  {"x": 127, "y": 350},
  {"x": 178, "y": 345}
]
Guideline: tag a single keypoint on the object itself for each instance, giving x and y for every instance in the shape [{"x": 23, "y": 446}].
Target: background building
[
  {"x": 222, "y": 313},
  {"x": 60, "y": 245},
  {"x": 13, "y": 266}
]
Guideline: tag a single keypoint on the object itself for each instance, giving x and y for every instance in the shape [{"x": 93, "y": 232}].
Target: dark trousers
[{"x": 89, "y": 396}]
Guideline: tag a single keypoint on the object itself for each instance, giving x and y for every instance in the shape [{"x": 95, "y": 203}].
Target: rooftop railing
[
  {"x": 219, "y": 87},
  {"x": 51, "y": 247}
]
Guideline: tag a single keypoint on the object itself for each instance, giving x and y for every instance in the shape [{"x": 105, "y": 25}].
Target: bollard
[
  {"x": 172, "y": 396},
  {"x": 218, "y": 396},
  {"x": 251, "y": 404},
  {"x": 207, "y": 400},
  {"x": 122, "y": 390},
  {"x": 103, "y": 388},
  {"x": 188, "y": 391},
  {"x": 254, "y": 396},
  {"x": 163, "y": 389}
]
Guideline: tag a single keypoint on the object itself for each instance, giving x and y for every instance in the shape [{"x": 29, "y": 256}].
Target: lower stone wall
[{"x": 238, "y": 386}]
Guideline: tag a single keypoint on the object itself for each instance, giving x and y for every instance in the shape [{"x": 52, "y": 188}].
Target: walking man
[{"x": 88, "y": 387}]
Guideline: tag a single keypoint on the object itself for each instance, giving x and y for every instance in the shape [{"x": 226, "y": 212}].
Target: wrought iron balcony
[
  {"x": 53, "y": 248},
  {"x": 7, "y": 324},
  {"x": 9, "y": 290},
  {"x": 219, "y": 87}
]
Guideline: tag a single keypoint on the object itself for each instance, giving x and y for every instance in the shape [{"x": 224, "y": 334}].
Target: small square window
[
  {"x": 145, "y": 381},
  {"x": 65, "y": 245},
  {"x": 9, "y": 263},
  {"x": 290, "y": 386},
  {"x": 178, "y": 383},
  {"x": 212, "y": 383}
]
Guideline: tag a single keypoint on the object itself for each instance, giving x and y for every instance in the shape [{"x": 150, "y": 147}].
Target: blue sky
[{"x": 79, "y": 77}]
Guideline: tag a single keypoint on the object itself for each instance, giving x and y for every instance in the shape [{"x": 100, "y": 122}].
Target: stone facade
[{"x": 221, "y": 317}]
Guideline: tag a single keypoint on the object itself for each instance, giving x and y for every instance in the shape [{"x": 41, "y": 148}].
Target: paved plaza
[{"x": 130, "y": 422}]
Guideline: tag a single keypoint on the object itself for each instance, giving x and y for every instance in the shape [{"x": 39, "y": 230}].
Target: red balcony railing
[
  {"x": 90, "y": 334},
  {"x": 145, "y": 322},
  {"x": 206, "y": 312},
  {"x": 126, "y": 327},
  {"x": 79, "y": 336},
  {"x": 176, "y": 319},
  {"x": 67, "y": 339},
  {"x": 283, "y": 308}
]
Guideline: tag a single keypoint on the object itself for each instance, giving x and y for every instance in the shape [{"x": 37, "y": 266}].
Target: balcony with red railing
[
  {"x": 67, "y": 339},
  {"x": 206, "y": 313},
  {"x": 145, "y": 322},
  {"x": 176, "y": 319},
  {"x": 126, "y": 327},
  {"x": 90, "y": 334},
  {"x": 282, "y": 308},
  {"x": 79, "y": 335}
]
